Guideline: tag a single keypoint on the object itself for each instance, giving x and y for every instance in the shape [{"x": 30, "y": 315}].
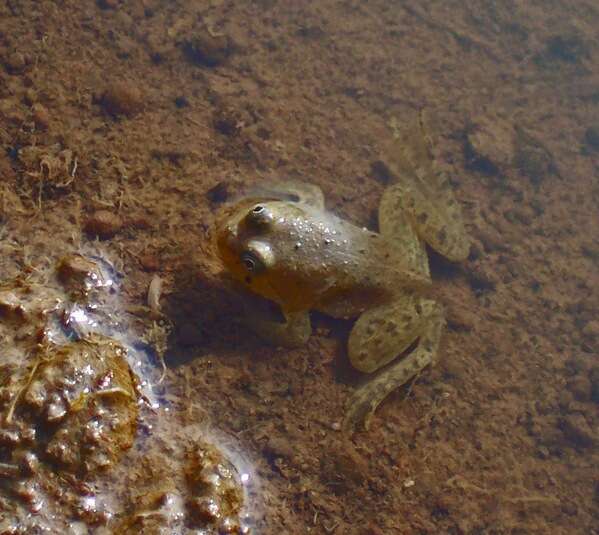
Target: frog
[{"x": 280, "y": 243}]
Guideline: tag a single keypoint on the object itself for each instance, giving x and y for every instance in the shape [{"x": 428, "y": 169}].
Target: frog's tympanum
[{"x": 283, "y": 245}]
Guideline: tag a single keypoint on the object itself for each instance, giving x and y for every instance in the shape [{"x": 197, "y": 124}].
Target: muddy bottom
[{"x": 133, "y": 398}]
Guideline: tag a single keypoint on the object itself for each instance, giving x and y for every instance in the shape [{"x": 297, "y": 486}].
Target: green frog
[{"x": 283, "y": 245}]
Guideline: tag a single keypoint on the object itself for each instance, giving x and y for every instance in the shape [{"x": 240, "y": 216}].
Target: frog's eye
[
  {"x": 257, "y": 257},
  {"x": 251, "y": 262},
  {"x": 259, "y": 216}
]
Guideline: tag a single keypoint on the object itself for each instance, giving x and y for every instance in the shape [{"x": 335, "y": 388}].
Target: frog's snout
[{"x": 223, "y": 234}]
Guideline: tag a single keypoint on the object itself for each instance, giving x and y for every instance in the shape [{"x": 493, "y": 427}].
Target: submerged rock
[
  {"x": 591, "y": 138},
  {"x": 103, "y": 224},
  {"x": 531, "y": 158},
  {"x": 196, "y": 490},
  {"x": 122, "y": 99},
  {"x": 80, "y": 274},
  {"x": 78, "y": 401},
  {"x": 215, "y": 496},
  {"x": 208, "y": 48},
  {"x": 488, "y": 145}
]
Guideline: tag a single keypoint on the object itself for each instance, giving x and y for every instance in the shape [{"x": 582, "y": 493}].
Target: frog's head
[{"x": 254, "y": 240}]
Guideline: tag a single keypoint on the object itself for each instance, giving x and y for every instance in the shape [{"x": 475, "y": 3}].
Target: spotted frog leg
[
  {"x": 386, "y": 332},
  {"x": 420, "y": 208},
  {"x": 423, "y": 199}
]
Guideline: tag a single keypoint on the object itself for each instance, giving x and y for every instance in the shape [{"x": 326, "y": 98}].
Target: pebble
[
  {"x": 342, "y": 463},
  {"x": 15, "y": 62},
  {"x": 580, "y": 387},
  {"x": 103, "y": 224},
  {"x": 279, "y": 447},
  {"x": 108, "y": 4},
  {"x": 459, "y": 319},
  {"x": 218, "y": 194},
  {"x": 30, "y": 96},
  {"x": 543, "y": 452},
  {"x": 122, "y": 99},
  {"x": 74, "y": 269},
  {"x": 154, "y": 294},
  {"x": 10, "y": 306},
  {"x": 491, "y": 240},
  {"x": 576, "y": 429},
  {"x": 591, "y": 329},
  {"x": 489, "y": 145},
  {"x": 149, "y": 262},
  {"x": 482, "y": 278},
  {"x": 41, "y": 116},
  {"x": 208, "y": 49},
  {"x": 571, "y": 509}
]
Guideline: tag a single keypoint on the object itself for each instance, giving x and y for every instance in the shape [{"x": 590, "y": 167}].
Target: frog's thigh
[
  {"x": 434, "y": 213},
  {"x": 294, "y": 332},
  {"x": 396, "y": 226},
  {"x": 381, "y": 334},
  {"x": 367, "y": 397}
]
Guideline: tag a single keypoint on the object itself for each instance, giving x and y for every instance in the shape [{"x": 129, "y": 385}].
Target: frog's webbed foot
[
  {"x": 293, "y": 191},
  {"x": 424, "y": 195},
  {"x": 386, "y": 337},
  {"x": 293, "y": 332}
]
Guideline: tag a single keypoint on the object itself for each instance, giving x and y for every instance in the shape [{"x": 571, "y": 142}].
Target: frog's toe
[
  {"x": 292, "y": 333},
  {"x": 369, "y": 396},
  {"x": 359, "y": 413}
]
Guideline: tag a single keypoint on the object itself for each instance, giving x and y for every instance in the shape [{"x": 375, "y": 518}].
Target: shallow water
[{"x": 125, "y": 126}]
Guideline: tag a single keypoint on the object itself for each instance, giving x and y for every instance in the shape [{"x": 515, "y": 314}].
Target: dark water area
[{"x": 135, "y": 394}]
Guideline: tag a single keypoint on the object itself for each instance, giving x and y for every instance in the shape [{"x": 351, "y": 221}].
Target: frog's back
[{"x": 365, "y": 268}]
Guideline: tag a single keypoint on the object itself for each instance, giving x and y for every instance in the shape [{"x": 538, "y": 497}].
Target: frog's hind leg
[
  {"x": 395, "y": 225},
  {"x": 381, "y": 335},
  {"x": 424, "y": 195}
]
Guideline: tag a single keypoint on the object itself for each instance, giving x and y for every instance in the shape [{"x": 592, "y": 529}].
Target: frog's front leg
[
  {"x": 382, "y": 334},
  {"x": 294, "y": 331}
]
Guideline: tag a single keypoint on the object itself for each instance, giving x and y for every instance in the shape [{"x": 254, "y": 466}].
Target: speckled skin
[{"x": 284, "y": 246}]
